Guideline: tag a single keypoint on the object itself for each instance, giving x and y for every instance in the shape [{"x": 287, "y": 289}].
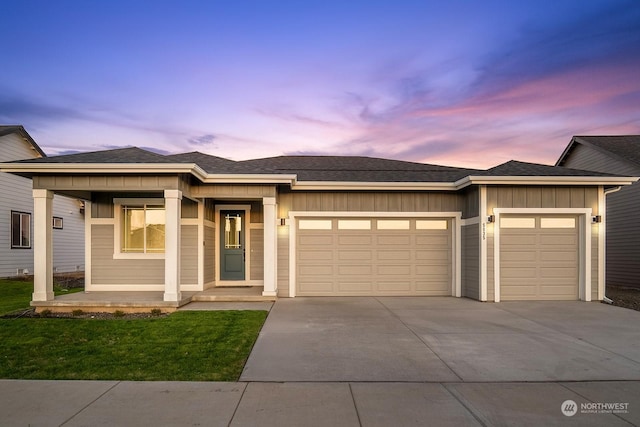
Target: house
[
  {"x": 619, "y": 155},
  {"x": 66, "y": 226},
  {"x": 326, "y": 226}
]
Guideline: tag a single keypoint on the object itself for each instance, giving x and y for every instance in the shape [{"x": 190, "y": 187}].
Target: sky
[{"x": 457, "y": 82}]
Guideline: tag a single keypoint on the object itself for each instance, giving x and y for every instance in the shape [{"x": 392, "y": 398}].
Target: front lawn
[
  {"x": 16, "y": 294},
  {"x": 184, "y": 346}
]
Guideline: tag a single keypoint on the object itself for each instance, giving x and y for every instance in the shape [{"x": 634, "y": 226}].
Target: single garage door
[
  {"x": 373, "y": 256},
  {"x": 539, "y": 258}
]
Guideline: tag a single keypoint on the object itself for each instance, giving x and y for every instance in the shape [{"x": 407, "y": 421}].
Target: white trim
[
  {"x": 118, "y": 202},
  {"x": 270, "y": 250},
  {"x": 544, "y": 180},
  {"x": 189, "y": 221},
  {"x": 483, "y": 292},
  {"x": 88, "y": 223},
  {"x": 601, "y": 243},
  {"x": 456, "y": 236},
  {"x": 247, "y": 244},
  {"x": 173, "y": 244},
  {"x": 104, "y": 287},
  {"x": 360, "y": 186},
  {"x": 584, "y": 245},
  {"x": 101, "y": 221},
  {"x": 201, "y": 224},
  {"x": 42, "y": 243}
]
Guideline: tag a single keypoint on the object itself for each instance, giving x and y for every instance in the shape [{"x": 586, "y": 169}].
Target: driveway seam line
[
  {"x": 464, "y": 405},
  {"x": 355, "y": 405},
  {"x": 572, "y": 336},
  {"x": 235, "y": 410},
  {"x": 419, "y": 337},
  {"x": 591, "y": 400},
  {"x": 90, "y": 403}
]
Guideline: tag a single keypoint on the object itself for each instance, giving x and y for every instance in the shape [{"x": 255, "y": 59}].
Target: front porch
[{"x": 137, "y": 302}]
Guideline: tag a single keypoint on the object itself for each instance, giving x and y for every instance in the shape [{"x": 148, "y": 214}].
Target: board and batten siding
[
  {"x": 189, "y": 255},
  {"x": 256, "y": 271},
  {"x": 370, "y": 202},
  {"x": 471, "y": 261},
  {"x": 283, "y": 261},
  {"x": 108, "y": 271},
  {"x": 542, "y": 197},
  {"x": 622, "y": 216},
  {"x": 209, "y": 255}
]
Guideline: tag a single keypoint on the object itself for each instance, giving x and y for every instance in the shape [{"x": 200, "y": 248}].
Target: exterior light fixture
[
  {"x": 596, "y": 219},
  {"x": 491, "y": 218},
  {"x": 283, "y": 221}
]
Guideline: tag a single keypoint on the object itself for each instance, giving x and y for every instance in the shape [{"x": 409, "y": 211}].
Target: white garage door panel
[
  {"x": 393, "y": 260},
  {"x": 539, "y": 263}
]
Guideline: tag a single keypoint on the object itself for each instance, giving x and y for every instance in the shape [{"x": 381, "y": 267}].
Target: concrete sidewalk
[{"x": 112, "y": 403}]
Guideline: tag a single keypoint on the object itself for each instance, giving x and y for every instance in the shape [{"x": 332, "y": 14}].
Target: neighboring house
[
  {"x": 619, "y": 155},
  {"x": 328, "y": 226},
  {"x": 16, "y": 214}
]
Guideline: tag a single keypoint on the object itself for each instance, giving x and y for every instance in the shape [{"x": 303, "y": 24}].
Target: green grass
[
  {"x": 185, "y": 346},
  {"x": 16, "y": 294}
]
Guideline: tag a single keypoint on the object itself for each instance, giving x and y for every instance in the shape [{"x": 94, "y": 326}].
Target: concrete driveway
[{"x": 427, "y": 339}]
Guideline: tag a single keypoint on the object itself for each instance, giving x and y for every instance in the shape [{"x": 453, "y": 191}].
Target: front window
[
  {"x": 143, "y": 229},
  {"x": 20, "y": 230}
]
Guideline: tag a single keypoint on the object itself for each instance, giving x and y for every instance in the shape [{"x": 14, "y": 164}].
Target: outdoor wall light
[
  {"x": 596, "y": 219},
  {"x": 283, "y": 221},
  {"x": 491, "y": 218}
]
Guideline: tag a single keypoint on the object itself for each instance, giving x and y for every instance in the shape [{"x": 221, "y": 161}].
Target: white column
[
  {"x": 42, "y": 245},
  {"x": 270, "y": 247},
  {"x": 172, "y": 206}
]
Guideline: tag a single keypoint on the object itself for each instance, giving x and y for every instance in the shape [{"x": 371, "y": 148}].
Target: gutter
[{"x": 606, "y": 193}]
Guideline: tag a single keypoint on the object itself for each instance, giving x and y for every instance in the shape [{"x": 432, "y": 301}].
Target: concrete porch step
[{"x": 232, "y": 298}]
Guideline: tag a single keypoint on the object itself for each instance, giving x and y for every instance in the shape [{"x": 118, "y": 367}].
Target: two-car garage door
[
  {"x": 373, "y": 256},
  {"x": 539, "y": 257}
]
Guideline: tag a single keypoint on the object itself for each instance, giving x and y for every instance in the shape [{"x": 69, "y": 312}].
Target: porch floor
[{"x": 145, "y": 301}]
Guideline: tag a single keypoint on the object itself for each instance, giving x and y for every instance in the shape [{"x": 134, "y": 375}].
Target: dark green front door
[{"x": 232, "y": 249}]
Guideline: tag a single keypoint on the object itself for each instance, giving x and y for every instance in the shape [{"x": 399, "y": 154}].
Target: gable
[
  {"x": 14, "y": 147},
  {"x": 588, "y": 158}
]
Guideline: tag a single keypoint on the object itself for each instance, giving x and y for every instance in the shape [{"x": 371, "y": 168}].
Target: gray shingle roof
[
  {"x": 625, "y": 147},
  {"x": 319, "y": 168},
  {"x": 516, "y": 168}
]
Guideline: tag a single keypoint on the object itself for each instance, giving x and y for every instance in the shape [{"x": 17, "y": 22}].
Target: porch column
[
  {"x": 42, "y": 245},
  {"x": 270, "y": 247},
  {"x": 172, "y": 206}
]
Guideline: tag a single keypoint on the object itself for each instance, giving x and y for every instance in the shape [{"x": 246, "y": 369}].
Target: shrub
[
  {"x": 77, "y": 312},
  {"x": 156, "y": 312},
  {"x": 118, "y": 313},
  {"x": 45, "y": 313}
]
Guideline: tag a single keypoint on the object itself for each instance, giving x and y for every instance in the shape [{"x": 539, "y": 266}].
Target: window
[
  {"x": 393, "y": 224},
  {"x": 20, "y": 230},
  {"x": 57, "y": 223},
  {"x": 557, "y": 223},
  {"x": 518, "y": 223},
  {"x": 143, "y": 229},
  {"x": 354, "y": 224},
  {"x": 315, "y": 224}
]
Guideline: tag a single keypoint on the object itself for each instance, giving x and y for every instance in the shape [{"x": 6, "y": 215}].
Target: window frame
[
  {"x": 119, "y": 205},
  {"x": 57, "y": 227},
  {"x": 21, "y": 214}
]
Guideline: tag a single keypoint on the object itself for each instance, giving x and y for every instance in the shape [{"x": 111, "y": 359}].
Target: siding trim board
[
  {"x": 456, "y": 233},
  {"x": 584, "y": 245}
]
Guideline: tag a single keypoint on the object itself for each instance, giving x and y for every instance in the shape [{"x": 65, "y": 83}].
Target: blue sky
[{"x": 463, "y": 83}]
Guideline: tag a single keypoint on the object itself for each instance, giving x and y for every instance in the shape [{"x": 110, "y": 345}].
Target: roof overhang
[
  {"x": 30, "y": 169},
  {"x": 545, "y": 180}
]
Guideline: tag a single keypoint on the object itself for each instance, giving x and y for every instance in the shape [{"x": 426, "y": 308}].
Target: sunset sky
[{"x": 461, "y": 83}]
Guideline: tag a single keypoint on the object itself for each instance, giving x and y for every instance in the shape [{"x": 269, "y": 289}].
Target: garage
[
  {"x": 539, "y": 257},
  {"x": 374, "y": 256}
]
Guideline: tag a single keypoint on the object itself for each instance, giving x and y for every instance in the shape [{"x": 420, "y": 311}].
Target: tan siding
[
  {"x": 534, "y": 197},
  {"x": 471, "y": 261},
  {"x": 189, "y": 208},
  {"x": 106, "y": 270},
  {"x": 257, "y": 215},
  {"x": 209, "y": 254},
  {"x": 233, "y": 191},
  {"x": 371, "y": 202},
  {"x": 257, "y": 254},
  {"x": 189, "y": 255},
  {"x": 107, "y": 183},
  {"x": 210, "y": 210},
  {"x": 283, "y": 261}
]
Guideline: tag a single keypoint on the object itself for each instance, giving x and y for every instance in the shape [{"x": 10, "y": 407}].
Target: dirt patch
[
  {"x": 31, "y": 314},
  {"x": 624, "y": 297}
]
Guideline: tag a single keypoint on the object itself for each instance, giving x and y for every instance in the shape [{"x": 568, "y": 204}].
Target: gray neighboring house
[
  {"x": 618, "y": 155},
  {"x": 16, "y": 214},
  {"x": 326, "y": 226}
]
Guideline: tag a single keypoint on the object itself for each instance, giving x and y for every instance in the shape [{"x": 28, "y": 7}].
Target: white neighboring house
[{"x": 16, "y": 214}]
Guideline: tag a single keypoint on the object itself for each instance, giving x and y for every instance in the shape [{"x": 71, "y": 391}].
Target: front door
[{"x": 232, "y": 249}]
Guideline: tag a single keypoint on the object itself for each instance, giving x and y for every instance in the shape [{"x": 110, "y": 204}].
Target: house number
[{"x": 484, "y": 231}]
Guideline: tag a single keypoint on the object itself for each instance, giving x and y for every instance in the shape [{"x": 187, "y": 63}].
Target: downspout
[{"x": 607, "y": 192}]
